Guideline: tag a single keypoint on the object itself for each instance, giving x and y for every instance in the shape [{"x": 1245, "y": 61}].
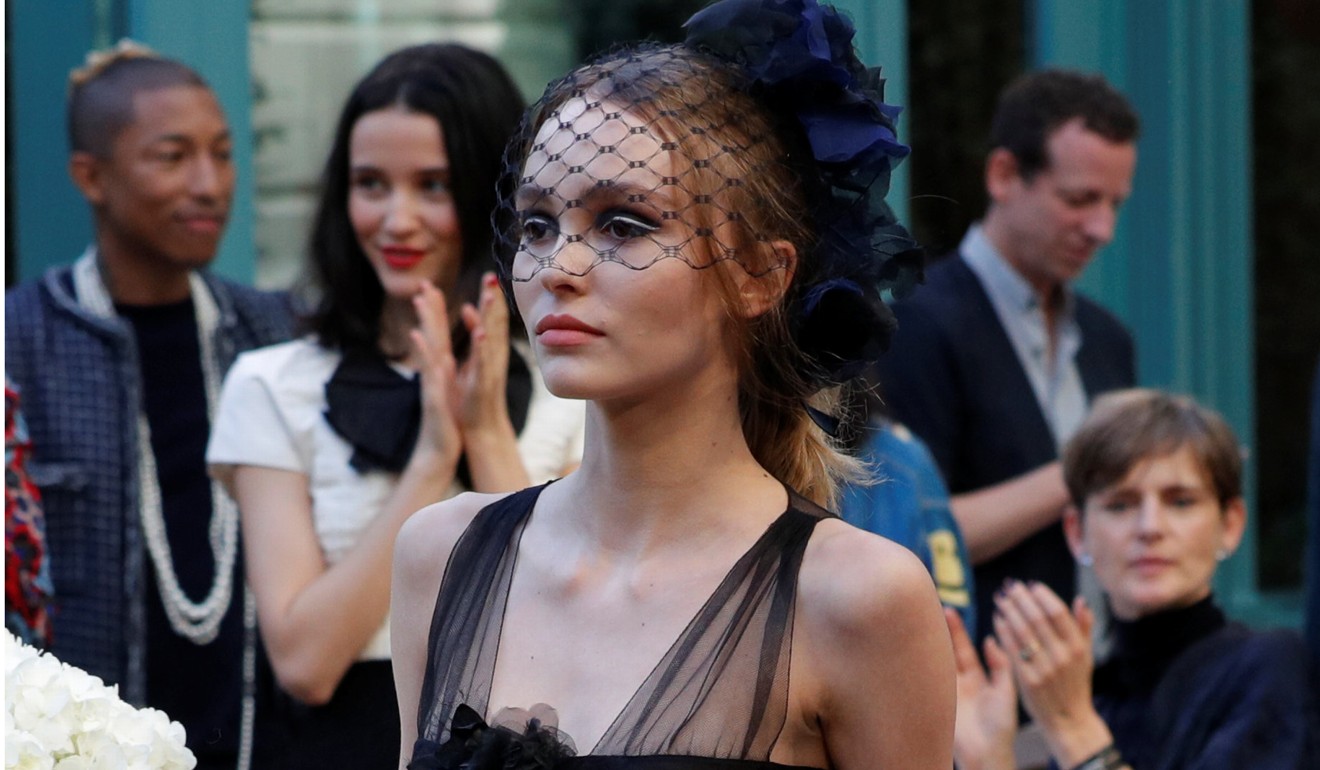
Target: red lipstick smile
[
  {"x": 401, "y": 257},
  {"x": 565, "y": 331}
]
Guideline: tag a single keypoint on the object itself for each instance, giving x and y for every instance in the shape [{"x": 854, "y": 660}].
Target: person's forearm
[
  {"x": 324, "y": 629},
  {"x": 493, "y": 459},
  {"x": 996, "y": 518}
]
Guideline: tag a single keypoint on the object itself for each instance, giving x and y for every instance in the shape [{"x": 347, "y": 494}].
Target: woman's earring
[
  {"x": 1085, "y": 559},
  {"x": 1222, "y": 554}
]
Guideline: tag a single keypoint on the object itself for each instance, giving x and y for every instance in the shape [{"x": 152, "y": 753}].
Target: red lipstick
[
  {"x": 401, "y": 257},
  {"x": 564, "y": 330}
]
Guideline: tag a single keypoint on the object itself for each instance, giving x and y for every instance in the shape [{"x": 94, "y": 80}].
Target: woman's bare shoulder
[
  {"x": 877, "y": 664},
  {"x": 850, "y": 578},
  {"x": 426, "y": 539}
]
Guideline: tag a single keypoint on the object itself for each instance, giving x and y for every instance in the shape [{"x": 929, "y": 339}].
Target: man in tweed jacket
[{"x": 118, "y": 358}]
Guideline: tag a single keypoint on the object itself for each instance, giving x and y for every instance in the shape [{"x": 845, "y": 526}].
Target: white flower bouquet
[{"x": 58, "y": 717}]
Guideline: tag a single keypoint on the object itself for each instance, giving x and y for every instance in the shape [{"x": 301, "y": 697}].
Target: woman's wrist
[
  {"x": 992, "y": 757},
  {"x": 493, "y": 431},
  {"x": 433, "y": 464},
  {"x": 1107, "y": 758},
  {"x": 1074, "y": 743},
  {"x": 1000, "y": 758}
]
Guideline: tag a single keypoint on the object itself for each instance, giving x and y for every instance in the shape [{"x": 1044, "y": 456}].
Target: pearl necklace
[{"x": 199, "y": 622}]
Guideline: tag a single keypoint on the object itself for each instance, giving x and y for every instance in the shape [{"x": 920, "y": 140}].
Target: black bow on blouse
[{"x": 379, "y": 411}]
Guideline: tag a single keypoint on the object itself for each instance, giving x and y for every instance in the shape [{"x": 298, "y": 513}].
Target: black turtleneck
[
  {"x": 1187, "y": 689},
  {"x": 1144, "y": 648}
]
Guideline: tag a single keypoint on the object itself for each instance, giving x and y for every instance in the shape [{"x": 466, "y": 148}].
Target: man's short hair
[
  {"x": 1128, "y": 426},
  {"x": 100, "y": 101},
  {"x": 1036, "y": 104}
]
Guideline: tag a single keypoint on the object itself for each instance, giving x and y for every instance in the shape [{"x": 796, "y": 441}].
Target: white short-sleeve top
[{"x": 272, "y": 414}]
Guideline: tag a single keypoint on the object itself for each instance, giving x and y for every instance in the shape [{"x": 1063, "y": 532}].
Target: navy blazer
[{"x": 953, "y": 377}]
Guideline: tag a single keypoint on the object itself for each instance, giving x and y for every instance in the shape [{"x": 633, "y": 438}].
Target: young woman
[
  {"x": 1156, "y": 481},
  {"x": 695, "y": 258},
  {"x": 329, "y": 444}
]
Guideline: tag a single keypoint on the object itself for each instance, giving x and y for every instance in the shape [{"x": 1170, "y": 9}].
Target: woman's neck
[{"x": 659, "y": 470}]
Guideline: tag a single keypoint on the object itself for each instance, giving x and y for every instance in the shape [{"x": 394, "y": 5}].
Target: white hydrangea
[{"x": 58, "y": 717}]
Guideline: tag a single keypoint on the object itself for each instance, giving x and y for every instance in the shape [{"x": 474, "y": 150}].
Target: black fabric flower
[
  {"x": 800, "y": 55},
  {"x": 474, "y": 745},
  {"x": 845, "y": 327},
  {"x": 800, "y": 59}
]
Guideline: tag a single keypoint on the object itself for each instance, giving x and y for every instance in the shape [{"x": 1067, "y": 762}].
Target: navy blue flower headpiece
[{"x": 799, "y": 58}]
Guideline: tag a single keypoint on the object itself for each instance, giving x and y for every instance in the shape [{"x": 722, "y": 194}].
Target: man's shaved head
[{"x": 101, "y": 92}]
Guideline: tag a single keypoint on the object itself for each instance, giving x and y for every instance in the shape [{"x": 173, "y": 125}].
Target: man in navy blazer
[{"x": 996, "y": 357}]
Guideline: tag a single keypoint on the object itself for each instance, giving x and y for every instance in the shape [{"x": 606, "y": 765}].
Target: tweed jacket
[{"x": 82, "y": 390}]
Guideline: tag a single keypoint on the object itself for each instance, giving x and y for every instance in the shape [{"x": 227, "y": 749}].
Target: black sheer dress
[{"x": 717, "y": 699}]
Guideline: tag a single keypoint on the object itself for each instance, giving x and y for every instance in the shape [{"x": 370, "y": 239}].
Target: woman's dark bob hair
[
  {"x": 478, "y": 107},
  {"x": 1126, "y": 427}
]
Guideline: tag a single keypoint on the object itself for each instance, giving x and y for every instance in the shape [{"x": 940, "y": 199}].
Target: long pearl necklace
[{"x": 199, "y": 622}]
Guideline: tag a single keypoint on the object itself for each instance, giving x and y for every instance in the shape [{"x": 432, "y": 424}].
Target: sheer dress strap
[
  {"x": 469, "y": 611},
  {"x": 721, "y": 691}
]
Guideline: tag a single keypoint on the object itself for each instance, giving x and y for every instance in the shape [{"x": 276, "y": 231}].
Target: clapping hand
[
  {"x": 439, "y": 442},
  {"x": 1049, "y": 647},
  {"x": 987, "y": 704},
  {"x": 482, "y": 407}
]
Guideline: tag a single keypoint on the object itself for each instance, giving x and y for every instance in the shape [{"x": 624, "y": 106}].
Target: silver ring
[{"x": 1027, "y": 653}]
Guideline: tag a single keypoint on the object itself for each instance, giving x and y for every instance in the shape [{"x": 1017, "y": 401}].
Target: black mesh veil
[
  {"x": 651, "y": 153},
  {"x": 676, "y": 152}
]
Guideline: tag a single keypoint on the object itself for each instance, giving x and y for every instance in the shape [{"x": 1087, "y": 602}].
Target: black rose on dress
[{"x": 475, "y": 745}]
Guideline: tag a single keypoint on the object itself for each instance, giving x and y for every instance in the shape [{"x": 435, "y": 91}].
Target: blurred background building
[{"x": 1214, "y": 266}]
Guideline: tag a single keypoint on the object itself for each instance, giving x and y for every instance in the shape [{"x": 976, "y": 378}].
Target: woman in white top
[{"x": 329, "y": 443}]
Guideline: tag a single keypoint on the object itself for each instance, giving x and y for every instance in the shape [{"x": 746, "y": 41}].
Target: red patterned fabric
[{"x": 27, "y": 576}]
